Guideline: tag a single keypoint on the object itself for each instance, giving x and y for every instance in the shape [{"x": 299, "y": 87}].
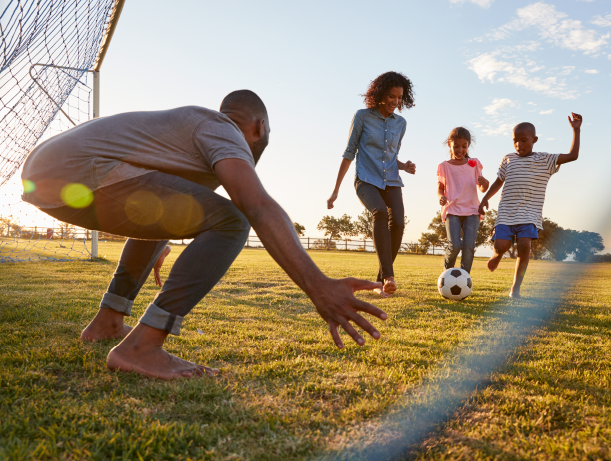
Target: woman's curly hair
[{"x": 380, "y": 87}]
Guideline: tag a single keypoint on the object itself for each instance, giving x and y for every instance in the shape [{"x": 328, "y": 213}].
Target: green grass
[{"x": 285, "y": 392}]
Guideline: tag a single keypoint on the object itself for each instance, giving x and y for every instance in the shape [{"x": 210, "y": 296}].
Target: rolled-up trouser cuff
[
  {"x": 162, "y": 320},
  {"x": 116, "y": 303}
]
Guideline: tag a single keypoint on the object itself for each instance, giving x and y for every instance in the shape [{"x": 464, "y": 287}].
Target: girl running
[
  {"x": 375, "y": 140},
  {"x": 459, "y": 179}
]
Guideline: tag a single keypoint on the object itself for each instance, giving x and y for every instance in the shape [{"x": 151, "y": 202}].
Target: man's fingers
[
  {"x": 335, "y": 335},
  {"x": 359, "y": 284},
  {"x": 365, "y": 325},
  {"x": 352, "y": 332},
  {"x": 362, "y": 306}
]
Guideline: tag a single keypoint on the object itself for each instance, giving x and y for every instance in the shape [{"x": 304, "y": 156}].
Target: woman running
[{"x": 375, "y": 140}]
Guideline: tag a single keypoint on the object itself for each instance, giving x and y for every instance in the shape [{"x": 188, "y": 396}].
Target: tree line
[{"x": 554, "y": 243}]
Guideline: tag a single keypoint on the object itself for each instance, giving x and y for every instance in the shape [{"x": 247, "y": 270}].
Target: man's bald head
[
  {"x": 525, "y": 127},
  {"x": 244, "y": 103}
]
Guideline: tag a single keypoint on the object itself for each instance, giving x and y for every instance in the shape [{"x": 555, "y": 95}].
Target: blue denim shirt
[{"x": 375, "y": 142}]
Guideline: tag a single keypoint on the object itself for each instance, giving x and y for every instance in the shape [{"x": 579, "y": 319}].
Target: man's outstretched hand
[
  {"x": 337, "y": 305},
  {"x": 159, "y": 263}
]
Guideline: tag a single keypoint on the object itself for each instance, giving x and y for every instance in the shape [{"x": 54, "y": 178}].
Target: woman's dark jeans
[
  {"x": 159, "y": 207},
  {"x": 386, "y": 205},
  {"x": 469, "y": 225}
]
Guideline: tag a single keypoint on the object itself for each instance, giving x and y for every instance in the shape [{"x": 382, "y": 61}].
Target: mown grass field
[{"x": 285, "y": 392}]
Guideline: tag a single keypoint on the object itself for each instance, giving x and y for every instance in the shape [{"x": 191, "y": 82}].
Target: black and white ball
[{"x": 455, "y": 284}]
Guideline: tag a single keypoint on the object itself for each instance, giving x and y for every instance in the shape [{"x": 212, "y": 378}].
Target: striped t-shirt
[{"x": 523, "y": 193}]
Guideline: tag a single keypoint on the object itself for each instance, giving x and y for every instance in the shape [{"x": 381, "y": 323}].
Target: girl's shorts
[{"x": 505, "y": 232}]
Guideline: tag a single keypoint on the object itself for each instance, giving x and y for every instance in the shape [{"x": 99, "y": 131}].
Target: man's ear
[
  {"x": 260, "y": 128},
  {"x": 535, "y": 139}
]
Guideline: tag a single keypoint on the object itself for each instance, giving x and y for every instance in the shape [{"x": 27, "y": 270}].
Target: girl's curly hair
[
  {"x": 379, "y": 87},
  {"x": 460, "y": 133}
]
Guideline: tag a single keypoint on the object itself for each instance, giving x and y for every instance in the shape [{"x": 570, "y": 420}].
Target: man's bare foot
[
  {"x": 494, "y": 261},
  {"x": 106, "y": 324},
  {"x": 381, "y": 292},
  {"x": 389, "y": 285},
  {"x": 142, "y": 352},
  {"x": 515, "y": 294}
]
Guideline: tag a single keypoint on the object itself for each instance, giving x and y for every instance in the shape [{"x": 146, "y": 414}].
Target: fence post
[
  {"x": 308, "y": 243},
  {"x": 346, "y": 244}
]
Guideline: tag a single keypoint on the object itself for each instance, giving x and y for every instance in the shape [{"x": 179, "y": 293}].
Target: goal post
[
  {"x": 110, "y": 30},
  {"x": 47, "y": 50}
]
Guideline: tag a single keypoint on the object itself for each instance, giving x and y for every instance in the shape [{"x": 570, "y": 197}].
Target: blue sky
[{"x": 483, "y": 64}]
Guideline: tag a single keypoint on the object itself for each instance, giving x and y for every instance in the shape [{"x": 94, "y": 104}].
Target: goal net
[{"x": 50, "y": 52}]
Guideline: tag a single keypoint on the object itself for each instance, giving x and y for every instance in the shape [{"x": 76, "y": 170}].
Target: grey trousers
[{"x": 152, "y": 209}]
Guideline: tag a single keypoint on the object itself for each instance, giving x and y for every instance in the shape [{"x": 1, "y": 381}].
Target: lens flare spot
[
  {"x": 143, "y": 208},
  {"x": 76, "y": 195},
  {"x": 182, "y": 215},
  {"x": 28, "y": 186}
]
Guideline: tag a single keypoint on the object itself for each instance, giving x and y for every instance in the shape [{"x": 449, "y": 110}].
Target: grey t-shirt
[{"x": 186, "y": 142}]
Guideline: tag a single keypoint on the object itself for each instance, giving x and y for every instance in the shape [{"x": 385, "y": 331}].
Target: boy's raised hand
[{"x": 576, "y": 122}]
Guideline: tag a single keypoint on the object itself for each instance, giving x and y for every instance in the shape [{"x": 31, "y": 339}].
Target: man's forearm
[{"x": 277, "y": 233}]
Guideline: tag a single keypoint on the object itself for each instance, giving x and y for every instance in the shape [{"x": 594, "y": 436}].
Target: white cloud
[
  {"x": 482, "y": 3},
  {"x": 502, "y": 129},
  {"x": 602, "y": 21},
  {"x": 550, "y": 139},
  {"x": 566, "y": 70},
  {"x": 546, "y": 112},
  {"x": 591, "y": 71},
  {"x": 498, "y": 104},
  {"x": 531, "y": 104},
  {"x": 488, "y": 68},
  {"x": 554, "y": 27}
]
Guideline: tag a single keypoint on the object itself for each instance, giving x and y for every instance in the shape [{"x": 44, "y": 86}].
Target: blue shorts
[{"x": 505, "y": 232}]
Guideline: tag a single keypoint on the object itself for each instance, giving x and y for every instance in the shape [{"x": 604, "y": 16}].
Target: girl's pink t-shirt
[{"x": 460, "y": 182}]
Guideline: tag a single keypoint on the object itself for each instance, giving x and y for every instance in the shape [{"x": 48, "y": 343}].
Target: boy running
[{"x": 525, "y": 175}]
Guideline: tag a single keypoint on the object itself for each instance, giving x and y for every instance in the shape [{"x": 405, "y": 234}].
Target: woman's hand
[
  {"x": 331, "y": 199},
  {"x": 443, "y": 200}
]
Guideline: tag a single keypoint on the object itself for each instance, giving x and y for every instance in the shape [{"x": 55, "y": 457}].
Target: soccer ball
[{"x": 455, "y": 284}]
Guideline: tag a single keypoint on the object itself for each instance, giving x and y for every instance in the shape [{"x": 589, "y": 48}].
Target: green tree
[
  {"x": 335, "y": 228},
  {"x": 486, "y": 229},
  {"x": 428, "y": 239},
  {"x": 558, "y": 242},
  {"x": 586, "y": 244},
  {"x": 299, "y": 229},
  {"x": 363, "y": 224},
  {"x": 438, "y": 228},
  {"x": 8, "y": 224}
]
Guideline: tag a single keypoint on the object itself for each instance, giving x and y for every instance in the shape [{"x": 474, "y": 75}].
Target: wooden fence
[{"x": 364, "y": 245}]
